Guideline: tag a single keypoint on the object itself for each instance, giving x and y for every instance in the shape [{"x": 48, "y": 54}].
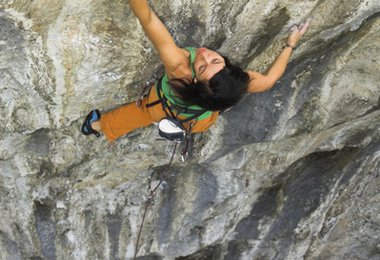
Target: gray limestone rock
[{"x": 292, "y": 173}]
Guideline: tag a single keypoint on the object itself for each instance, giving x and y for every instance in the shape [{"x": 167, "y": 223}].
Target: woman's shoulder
[{"x": 183, "y": 66}]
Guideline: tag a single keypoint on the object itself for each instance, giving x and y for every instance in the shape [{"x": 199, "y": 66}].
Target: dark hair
[{"x": 224, "y": 89}]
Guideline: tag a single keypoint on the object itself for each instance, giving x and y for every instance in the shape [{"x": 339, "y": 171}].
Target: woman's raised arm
[
  {"x": 262, "y": 82},
  {"x": 171, "y": 56}
]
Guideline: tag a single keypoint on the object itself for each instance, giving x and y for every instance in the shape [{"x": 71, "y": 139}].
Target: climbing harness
[
  {"x": 171, "y": 123},
  {"x": 171, "y": 127},
  {"x": 174, "y": 110},
  {"x": 150, "y": 200}
]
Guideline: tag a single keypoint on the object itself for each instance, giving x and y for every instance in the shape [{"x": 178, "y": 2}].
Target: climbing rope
[{"x": 150, "y": 199}]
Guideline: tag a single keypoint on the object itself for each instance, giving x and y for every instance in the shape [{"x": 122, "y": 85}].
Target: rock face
[{"x": 292, "y": 173}]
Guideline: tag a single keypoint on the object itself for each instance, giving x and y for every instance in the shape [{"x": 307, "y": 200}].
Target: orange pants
[{"x": 129, "y": 117}]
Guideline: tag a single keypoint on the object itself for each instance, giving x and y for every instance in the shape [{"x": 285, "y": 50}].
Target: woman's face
[{"x": 207, "y": 63}]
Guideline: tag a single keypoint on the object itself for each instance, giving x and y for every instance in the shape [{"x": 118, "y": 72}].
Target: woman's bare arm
[
  {"x": 262, "y": 82},
  {"x": 171, "y": 56}
]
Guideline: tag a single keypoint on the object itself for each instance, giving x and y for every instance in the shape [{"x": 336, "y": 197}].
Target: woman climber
[{"x": 197, "y": 84}]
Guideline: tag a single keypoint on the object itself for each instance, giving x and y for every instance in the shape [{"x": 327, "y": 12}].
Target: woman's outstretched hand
[
  {"x": 297, "y": 32},
  {"x": 262, "y": 82}
]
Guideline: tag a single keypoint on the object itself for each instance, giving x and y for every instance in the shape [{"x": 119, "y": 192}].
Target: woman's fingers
[
  {"x": 297, "y": 32},
  {"x": 293, "y": 28},
  {"x": 303, "y": 26}
]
